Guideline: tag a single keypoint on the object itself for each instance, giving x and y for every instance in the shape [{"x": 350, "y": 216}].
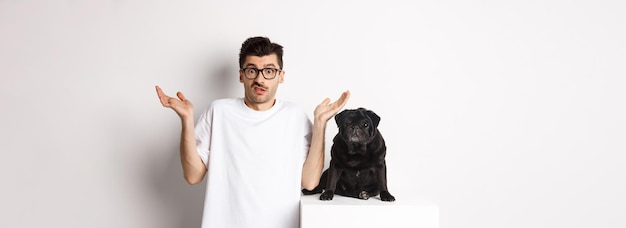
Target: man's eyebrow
[{"x": 266, "y": 65}]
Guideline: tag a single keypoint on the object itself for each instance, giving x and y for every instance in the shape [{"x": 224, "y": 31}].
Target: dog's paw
[
  {"x": 386, "y": 196},
  {"x": 364, "y": 195},
  {"x": 327, "y": 195}
]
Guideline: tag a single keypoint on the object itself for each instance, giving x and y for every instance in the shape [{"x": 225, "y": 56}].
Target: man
[{"x": 257, "y": 152}]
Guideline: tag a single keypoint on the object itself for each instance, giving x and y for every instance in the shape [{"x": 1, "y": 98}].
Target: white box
[{"x": 343, "y": 212}]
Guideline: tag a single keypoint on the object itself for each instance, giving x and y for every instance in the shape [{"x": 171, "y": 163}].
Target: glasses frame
[{"x": 260, "y": 71}]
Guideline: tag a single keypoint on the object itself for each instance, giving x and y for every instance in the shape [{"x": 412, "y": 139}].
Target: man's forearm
[
  {"x": 312, "y": 169},
  {"x": 193, "y": 166}
]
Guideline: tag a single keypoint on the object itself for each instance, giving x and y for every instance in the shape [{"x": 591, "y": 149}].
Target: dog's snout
[{"x": 355, "y": 130}]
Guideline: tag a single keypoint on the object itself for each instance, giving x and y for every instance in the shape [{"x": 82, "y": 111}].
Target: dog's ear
[
  {"x": 339, "y": 117},
  {"x": 375, "y": 118}
]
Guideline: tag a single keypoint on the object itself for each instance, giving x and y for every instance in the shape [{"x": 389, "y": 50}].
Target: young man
[{"x": 257, "y": 151}]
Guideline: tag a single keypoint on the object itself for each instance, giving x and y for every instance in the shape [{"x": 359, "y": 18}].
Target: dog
[{"x": 357, "y": 166}]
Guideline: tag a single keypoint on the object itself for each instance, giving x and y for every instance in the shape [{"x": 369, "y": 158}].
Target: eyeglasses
[{"x": 268, "y": 73}]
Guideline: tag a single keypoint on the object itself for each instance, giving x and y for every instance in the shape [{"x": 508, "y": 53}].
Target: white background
[{"x": 504, "y": 113}]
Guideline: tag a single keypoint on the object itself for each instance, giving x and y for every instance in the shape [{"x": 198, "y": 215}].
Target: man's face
[{"x": 260, "y": 92}]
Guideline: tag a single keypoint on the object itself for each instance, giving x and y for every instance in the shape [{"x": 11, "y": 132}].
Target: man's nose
[{"x": 259, "y": 77}]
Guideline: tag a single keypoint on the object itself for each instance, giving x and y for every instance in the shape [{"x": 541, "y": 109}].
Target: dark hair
[{"x": 260, "y": 46}]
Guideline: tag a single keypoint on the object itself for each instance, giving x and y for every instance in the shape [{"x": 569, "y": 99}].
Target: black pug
[{"x": 357, "y": 166}]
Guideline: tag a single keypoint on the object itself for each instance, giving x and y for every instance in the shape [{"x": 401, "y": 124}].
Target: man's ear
[
  {"x": 281, "y": 76},
  {"x": 240, "y": 76}
]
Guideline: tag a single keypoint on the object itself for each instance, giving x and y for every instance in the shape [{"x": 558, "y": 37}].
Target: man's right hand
[
  {"x": 181, "y": 106},
  {"x": 194, "y": 168}
]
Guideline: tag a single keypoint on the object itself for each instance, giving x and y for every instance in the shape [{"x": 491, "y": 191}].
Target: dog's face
[{"x": 357, "y": 126}]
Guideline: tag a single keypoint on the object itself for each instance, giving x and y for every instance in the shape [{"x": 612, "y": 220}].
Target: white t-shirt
[{"x": 254, "y": 161}]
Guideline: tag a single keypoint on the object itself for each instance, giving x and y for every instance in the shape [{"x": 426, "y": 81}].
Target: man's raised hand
[
  {"x": 326, "y": 110},
  {"x": 181, "y": 106}
]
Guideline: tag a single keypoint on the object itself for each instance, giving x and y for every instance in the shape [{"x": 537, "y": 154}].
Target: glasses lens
[
  {"x": 269, "y": 73},
  {"x": 251, "y": 73}
]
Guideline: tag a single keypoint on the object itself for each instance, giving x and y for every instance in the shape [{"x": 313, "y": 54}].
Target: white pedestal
[{"x": 342, "y": 212}]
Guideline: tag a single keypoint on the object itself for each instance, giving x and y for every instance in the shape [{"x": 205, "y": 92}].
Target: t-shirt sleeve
[
  {"x": 308, "y": 135},
  {"x": 203, "y": 135}
]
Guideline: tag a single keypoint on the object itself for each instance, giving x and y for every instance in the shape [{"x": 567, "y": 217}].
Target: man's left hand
[{"x": 326, "y": 110}]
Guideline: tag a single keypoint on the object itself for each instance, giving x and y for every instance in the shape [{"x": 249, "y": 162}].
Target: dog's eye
[{"x": 366, "y": 125}]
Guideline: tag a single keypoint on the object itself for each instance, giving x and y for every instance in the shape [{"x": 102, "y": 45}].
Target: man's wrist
[
  {"x": 187, "y": 119},
  {"x": 319, "y": 125}
]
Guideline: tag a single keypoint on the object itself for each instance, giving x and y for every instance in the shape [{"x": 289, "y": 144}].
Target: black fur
[{"x": 357, "y": 166}]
